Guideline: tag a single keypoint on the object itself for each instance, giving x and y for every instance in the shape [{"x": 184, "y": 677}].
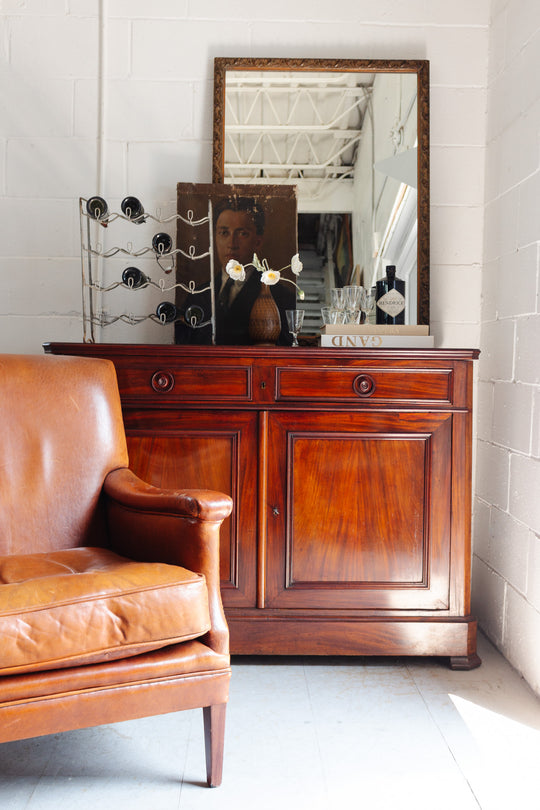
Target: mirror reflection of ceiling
[
  {"x": 352, "y": 138},
  {"x": 294, "y": 127}
]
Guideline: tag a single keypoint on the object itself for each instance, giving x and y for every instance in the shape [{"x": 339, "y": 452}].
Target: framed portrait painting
[{"x": 218, "y": 223}]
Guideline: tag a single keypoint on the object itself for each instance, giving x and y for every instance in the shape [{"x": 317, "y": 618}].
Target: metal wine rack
[{"x": 93, "y": 256}]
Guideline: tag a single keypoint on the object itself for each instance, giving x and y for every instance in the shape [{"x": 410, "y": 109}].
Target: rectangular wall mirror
[{"x": 353, "y": 137}]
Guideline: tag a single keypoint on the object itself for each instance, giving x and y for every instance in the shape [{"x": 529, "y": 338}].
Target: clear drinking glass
[
  {"x": 331, "y": 315},
  {"x": 337, "y": 297},
  {"x": 353, "y": 316},
  {"x": 354, "y": 297},
  {"x": 295, "y": 319},
  {"x": 325, "y": 313},
  {"x": 369, "y": 304}
]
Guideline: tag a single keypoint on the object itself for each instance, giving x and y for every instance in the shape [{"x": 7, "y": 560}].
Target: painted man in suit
[
  {"x": 239, "y": 224},
  {"x": 239, "y": 233}
]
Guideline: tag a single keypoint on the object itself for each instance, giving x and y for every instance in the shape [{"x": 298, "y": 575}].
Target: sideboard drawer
[
  {"x": 372, "y": 384},
  {"x": 163, "y": 382}
]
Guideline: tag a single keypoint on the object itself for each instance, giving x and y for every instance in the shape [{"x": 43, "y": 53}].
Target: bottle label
[{"x": 392, "y": 303}]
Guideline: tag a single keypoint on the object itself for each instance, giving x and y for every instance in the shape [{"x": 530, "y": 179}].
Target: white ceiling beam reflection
[
  {"x": 333, "y": 157},
  {"x": 287, "y": 127},
  {"x": 238, "y": 80}
]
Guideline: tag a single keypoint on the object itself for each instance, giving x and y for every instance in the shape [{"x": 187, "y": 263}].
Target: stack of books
[{"x": 368, "y": 336}]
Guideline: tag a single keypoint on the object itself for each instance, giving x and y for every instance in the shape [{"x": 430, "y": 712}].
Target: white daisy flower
[
  {"x": 296, "y": 265},
  {"x": 235, "y": 270},
  {"x": 270, "y": 277}
]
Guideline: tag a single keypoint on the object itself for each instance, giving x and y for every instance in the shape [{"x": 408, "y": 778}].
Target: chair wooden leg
[{"x": 214, "y": 739}]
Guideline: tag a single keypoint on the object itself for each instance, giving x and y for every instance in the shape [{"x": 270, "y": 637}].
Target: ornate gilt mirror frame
[{"x": 223, "y": 68}]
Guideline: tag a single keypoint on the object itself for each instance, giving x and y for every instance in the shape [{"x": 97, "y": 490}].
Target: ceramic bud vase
[{"x": 264, "y": 319}]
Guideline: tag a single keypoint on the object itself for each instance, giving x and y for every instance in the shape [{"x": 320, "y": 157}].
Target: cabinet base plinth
[
  {"x": 452, "y": 638},
  {"x": 465, "y": 662}
]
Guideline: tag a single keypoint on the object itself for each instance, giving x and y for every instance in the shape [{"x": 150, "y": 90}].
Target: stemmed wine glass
[
  {"x": 354, "y": 297},
  {"x": 337, "y": 295},
  {"x": 369, "y": 303},
  {"x": 295, "y": 319}
]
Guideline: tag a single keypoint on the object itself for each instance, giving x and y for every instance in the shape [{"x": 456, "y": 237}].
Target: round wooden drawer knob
[
  {"x": 162, "y": 381},
  {"x": 364, "y": 385}
]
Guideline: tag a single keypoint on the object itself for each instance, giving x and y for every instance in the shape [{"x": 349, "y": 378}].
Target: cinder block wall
[{"x": 507, "y": 511}]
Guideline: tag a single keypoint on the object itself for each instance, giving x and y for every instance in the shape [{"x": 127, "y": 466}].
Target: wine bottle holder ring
[
  {"x": 133, "y": 279},
  {"x": 364, "y": 385}
]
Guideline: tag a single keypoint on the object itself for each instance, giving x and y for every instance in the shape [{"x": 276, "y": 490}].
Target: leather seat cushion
[{"x": 85, "y": 605}]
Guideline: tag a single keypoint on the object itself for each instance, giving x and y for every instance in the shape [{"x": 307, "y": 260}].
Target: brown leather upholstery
[
  {"x": 109, "y": 588},
  {"x": 63, "y": 434},
  {"x": 84, "y": 605}
]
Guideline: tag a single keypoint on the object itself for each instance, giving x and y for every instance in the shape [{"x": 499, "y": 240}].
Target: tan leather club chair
[{"x": 109, "y": 588}]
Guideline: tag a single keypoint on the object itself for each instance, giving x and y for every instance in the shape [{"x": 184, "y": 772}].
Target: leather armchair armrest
[
  {"x": 179, "y": 527},
  {"x": 124, "y": 486}
]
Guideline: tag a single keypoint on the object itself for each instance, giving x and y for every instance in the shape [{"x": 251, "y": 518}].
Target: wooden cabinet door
[
  {"x": 359, "y": 510},
  {"x": 206, "y": 450}
]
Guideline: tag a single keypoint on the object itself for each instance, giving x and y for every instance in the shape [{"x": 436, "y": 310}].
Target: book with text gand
[{"x": 350, "y": 336}]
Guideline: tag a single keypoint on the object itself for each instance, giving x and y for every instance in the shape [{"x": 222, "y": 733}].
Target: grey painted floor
[{"x": 307, "y": 733}]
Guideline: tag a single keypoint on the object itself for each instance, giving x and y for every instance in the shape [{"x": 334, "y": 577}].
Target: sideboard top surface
[{"x": 278, "y": 354}]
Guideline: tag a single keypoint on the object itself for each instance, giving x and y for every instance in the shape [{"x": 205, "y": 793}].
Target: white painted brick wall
[
  {"x": 492, "y": 474},
  {"x": 59, "y": 46},
  {"x": 507, "y": 558},
  {"x": 489, "y": 588},
  {"x": 507, "y": 431},
  {"x": 506, "y": 571}
]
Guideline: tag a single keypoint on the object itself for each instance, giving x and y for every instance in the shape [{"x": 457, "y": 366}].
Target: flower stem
[{"x": 288, "y": 280}]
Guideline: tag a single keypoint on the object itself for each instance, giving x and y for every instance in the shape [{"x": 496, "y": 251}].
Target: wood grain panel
[
  {"x": 364, "y": 510},
  {"x": 204, "y": 450},
  {"x": 315, "y": 635},
  {"x": 190, "y": 382},
  {"x": 374, "y": 530},
  {"x": 188, "y": 462},
  {"x": 401, "y": 385}
]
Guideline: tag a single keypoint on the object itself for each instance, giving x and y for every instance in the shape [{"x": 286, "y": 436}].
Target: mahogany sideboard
[{"x": 350, "y": 472}]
